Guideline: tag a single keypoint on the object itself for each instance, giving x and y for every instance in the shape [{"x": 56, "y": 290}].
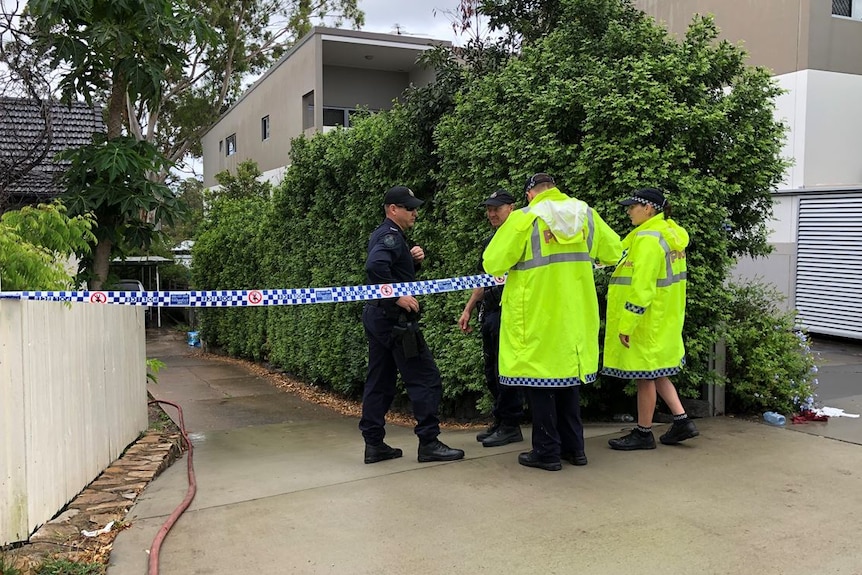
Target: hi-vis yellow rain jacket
[
  {"x": 646, "y": 301},
  {"x": 549, "y": 333}
]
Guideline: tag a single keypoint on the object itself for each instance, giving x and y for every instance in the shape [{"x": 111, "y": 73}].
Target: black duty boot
[
  {"x": 634, "y": 440},
  {"x": 438, "y": 451},
  {"x": 380, "y": 452},
  {"x": 679, "y": 431},
  {"x": 504, "y": 435},
  {"x": 491, "y": 429},
  {"x": 532, "y": 459},
  {"x": 575, "y": 458}
]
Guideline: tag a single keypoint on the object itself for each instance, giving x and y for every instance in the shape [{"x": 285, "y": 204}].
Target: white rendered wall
[
  {"x": 823, "y": 113},
  {"x": 833, "y": 142}
]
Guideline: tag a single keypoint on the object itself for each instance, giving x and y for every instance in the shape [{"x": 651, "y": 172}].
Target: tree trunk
[
  {"x": 116, "y": 106},
  {"x": 101, "y": 260}
]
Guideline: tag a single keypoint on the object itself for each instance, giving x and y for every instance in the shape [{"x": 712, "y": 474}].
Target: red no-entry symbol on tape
[
  {"x": 98, "y": 297},
  {"x": 255, "y": 297}
]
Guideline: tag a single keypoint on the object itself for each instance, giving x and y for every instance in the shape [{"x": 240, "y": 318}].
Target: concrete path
[{"x": 282, "y": 489}]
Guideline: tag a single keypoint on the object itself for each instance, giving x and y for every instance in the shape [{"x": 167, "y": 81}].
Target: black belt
[{"x": 381, "y": 302}]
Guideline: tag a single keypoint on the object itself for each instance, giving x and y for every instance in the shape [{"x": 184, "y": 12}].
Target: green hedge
[{"x": 606, "y": 102}]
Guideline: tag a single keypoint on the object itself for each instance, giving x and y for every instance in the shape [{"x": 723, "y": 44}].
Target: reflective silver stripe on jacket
[
  {"x": 538, "y": 260},
  {"x": 591, "y": 228},
  {"x": 671, "y": 278}
]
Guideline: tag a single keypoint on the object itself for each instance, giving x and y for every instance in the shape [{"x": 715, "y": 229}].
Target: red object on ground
[
  {"x": 155, "y": 548},
  {"x": 808, "y": 415}
]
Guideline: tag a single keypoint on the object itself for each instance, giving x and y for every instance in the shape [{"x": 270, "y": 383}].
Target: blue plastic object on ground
[{"x": 773, "y": 418}]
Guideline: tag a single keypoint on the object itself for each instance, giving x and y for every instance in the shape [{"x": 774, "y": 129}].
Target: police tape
[{"x": 259, "y": 297}]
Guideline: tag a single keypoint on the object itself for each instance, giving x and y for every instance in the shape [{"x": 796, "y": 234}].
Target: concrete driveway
[{"x": 282, "y": 489}]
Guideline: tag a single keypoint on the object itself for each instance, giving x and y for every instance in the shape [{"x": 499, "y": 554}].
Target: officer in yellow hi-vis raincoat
[
  {"x": 550, "y": 322},
  {"x": 646, "y": 311}
]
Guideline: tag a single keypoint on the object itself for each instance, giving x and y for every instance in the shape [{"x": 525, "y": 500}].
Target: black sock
[
  {"x": 681, "y": 417},
  {"x": 644, "y": 430}
]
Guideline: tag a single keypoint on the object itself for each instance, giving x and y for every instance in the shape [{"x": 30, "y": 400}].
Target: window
[
  {"x": 308, "y": 110},
  {"x": 335, "y": 117},
  {"x": 264, "y": 128},
  {"x": 841, "y": 8},
  {"x": 220, "y": 146},
  {"x": 230, "y": 145}
]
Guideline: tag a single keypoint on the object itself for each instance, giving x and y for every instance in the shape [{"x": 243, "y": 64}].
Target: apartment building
[
  {"x": 315, "y": 87},
  {"x": 814, "y": 49}
]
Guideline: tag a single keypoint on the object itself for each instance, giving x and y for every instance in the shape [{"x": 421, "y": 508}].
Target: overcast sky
[{"x": 415, "y": 17}]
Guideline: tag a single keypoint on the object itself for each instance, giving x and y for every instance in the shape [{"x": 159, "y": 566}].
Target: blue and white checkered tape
[{"x": 261, "y": 297}]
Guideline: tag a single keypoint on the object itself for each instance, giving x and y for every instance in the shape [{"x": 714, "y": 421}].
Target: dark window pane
[
  {"x": 308, "y": 110},
  {"x": 841, "y": 7},
  {"x": 333, "y": 117}
]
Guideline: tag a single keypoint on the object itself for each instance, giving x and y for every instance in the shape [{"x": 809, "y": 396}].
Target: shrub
[
  {"x": 36, "y": 241},
  {"x": 770, "y": 365}
]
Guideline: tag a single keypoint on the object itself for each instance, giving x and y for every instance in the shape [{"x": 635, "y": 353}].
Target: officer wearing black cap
[
  {"x": 508, "y": 405},
  {"x": 395, "y": 343}
]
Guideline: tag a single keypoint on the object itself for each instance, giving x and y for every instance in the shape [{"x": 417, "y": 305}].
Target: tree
[
  {"x": 609, "y": 102},
  {"x": 246, "y": 183},
  {"x": 184, "y": 63},
  {"x": 109, "y": 178},
  {"x": 121, "y": 50},
  {"x": 248, "y": 36},
  {"x": 165, "y": 71},
  {"x": 520, "y": 21},
  {"x": 21, "y": 84},
  {"x": 190, "y": 194},
  {"x": 36, "y": 242}
]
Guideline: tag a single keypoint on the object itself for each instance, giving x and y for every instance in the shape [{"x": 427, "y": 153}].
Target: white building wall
[
  {"x": 790, "y": 109},
  {"x": 785, "y": 213},
  {"x": 779, "y": 267},
  {"x": 833, "y": 143},
  {"x": 823, "y": 115},
  {"x": 824, "y": 118}
]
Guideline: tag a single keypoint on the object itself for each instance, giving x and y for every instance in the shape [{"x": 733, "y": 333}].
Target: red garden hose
[{"x": 190, "y": 494}]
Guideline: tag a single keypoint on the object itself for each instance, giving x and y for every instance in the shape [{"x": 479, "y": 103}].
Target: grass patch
[
  {"x": 7, "y": 567},
  {"x": 66, "y": 567}
]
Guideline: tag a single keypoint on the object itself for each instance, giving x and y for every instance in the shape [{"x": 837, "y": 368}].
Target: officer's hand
[
  {"x": 408, "y": 302},
  {"x": 417, "y": 253},
  {"x": 464, "y": 322},
  {"x": 624, "y": 339}
]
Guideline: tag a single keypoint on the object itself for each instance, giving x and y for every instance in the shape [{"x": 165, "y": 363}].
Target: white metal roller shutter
[{"x": 829, "y": 264}]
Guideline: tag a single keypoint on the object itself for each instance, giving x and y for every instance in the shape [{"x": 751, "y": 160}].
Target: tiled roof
[{"x": 21, "y": 132}]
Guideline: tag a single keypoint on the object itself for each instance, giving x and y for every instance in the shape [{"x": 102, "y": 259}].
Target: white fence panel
[{"x": 72, "y": 397}]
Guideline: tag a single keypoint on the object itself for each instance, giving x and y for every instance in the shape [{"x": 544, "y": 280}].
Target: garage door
[{"x": 829, "y": 264}]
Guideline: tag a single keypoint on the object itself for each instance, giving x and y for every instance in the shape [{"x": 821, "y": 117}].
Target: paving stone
[
  {"x": 90, "y": 497},
  {"x": 119, "y": 503},
  {"x": 108, "y": 498},
  {"x": 65, "y": 516}
]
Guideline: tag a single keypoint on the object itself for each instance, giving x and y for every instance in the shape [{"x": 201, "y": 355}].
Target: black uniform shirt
[
  {"x": 492, "y": 294},
  {"x": 389, "y": 259}
]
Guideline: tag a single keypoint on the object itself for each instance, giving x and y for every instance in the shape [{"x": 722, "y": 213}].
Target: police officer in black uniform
[
  {"x": 508, "y": 405},
  {"x": 395, "y": 343}
]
